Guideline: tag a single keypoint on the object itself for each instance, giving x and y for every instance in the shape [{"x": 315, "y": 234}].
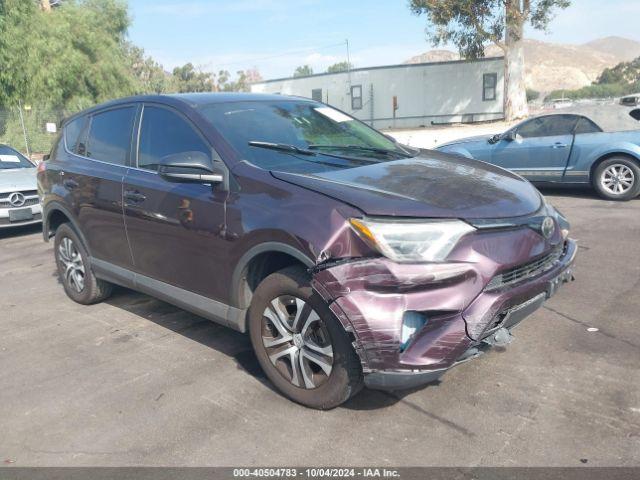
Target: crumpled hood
[
  {"x": 434, "y": 184},
  {"x": 18, "y": 179},
  {"x": 460, "y": 141}
]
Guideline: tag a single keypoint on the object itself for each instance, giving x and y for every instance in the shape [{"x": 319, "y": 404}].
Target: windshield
[
  {"x": 329, "y": 138},
  {"x": 11, "y": 159}
]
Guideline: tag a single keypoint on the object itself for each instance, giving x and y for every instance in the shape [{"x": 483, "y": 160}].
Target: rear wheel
[
  {"x": 299, "y": 343},
  {"x": 617, "y": 178},
  {"x": 72, "y": 260}
]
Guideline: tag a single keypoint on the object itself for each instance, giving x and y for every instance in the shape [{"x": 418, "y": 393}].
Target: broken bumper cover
[{"x": 371, "y": 297}]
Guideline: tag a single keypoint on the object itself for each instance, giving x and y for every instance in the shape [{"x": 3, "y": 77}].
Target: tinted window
[
  {"x": 110, "y": 135},
  {"x": 548, "y": 126},
  {"x": 586, "y": 126},
  {"x": 166, "y": 133},
  {"x": 72, "y": 133},
  {"x": 11, "y": 159}
]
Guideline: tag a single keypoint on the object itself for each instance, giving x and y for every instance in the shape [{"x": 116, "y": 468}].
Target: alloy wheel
[
  {"x": 71, "y": 260},
  {"x": 617, "y": 179},
  {"x": 297, "y": 342}
]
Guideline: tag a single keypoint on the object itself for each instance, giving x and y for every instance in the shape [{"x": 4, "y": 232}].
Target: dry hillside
[{"x": 552, "y": 66}]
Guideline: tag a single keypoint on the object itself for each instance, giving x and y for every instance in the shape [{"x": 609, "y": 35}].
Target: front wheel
[
  {"x": 617, "y": 178},
  {"x": 299, "y": 343}
]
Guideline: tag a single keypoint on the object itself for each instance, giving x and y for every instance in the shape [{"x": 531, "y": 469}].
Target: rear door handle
[
  {"x": 70, "y": 184},
  {"x": 134, "y": 196},
  {"x": 559, "y": 145}
]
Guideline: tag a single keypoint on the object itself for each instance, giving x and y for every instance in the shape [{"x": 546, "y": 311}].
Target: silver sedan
[{"x": 19, "y": 202}]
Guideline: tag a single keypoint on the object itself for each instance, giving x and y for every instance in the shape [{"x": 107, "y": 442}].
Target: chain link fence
[{"x": 30, "y": 129}]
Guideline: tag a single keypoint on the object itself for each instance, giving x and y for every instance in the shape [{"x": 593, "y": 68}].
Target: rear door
[
  {"x": 92, "y": 180},
  {"x": 541, "y": 149},
  {"x": 176, "y": 230}
]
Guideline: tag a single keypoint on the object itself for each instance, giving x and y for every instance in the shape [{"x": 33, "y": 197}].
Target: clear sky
[{"x": 277, "y": 35}]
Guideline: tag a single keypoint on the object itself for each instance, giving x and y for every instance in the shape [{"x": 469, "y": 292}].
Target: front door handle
[
  {"x": 134, "y": 196},
  {"x": 70, "y": 184},
  {"x": 559, "y": 145}
]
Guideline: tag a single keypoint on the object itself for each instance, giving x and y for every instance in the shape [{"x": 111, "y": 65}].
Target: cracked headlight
[{"x": 412, "y": 240}]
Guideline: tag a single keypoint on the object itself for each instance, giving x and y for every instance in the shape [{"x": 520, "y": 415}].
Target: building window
[
  {"x": 316, "y": 94},
  {"x": 489, "y": 83},
  {"x": 356, "y": 97}
]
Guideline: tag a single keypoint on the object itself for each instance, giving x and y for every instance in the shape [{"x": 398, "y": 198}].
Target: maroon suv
[{"x": 351, "y": 260}]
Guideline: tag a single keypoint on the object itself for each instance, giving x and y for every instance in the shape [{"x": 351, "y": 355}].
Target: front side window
[
  {"x": 11, "y": 159},
  {"x": 550, "y": 126},
  {"x": 110, "y": 135},
  {"x": 164, "y": 133},
  {"x": 489, "y": 84},
  {"x": 329, "y": 134}
]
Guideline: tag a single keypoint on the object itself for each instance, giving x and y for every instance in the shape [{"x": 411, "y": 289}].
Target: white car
[{"x": 19, "y": 202}]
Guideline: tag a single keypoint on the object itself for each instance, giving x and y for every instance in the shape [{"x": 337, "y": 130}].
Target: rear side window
[
  {"x": 110, "y": 135},
  {"x": 586, "y": 126},
  {"x": 72, "y": 133},
  {"x": 163, "y": 133}
]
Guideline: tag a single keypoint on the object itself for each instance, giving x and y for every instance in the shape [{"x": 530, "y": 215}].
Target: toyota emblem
[
  {"x": 16, "y": 199},
  {"x": 548, "y": 227}
]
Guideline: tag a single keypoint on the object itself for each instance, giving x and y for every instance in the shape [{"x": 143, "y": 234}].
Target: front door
[
  {"x": 540, "y": 149},
  {"x": 176, "y": 230}
]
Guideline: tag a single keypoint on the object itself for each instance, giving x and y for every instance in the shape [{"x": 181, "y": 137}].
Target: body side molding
[{"x": 205, "y": 307}]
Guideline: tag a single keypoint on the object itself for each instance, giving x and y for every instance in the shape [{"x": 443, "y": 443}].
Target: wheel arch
[
  {"x": 257, "y": 263},
  {"x": 54, "y": 216}
]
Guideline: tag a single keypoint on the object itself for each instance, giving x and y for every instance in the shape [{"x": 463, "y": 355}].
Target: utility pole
[{"x": 45, "y": 5}]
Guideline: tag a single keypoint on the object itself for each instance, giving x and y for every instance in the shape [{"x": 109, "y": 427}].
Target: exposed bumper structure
[{"x": 371, "y": 298}]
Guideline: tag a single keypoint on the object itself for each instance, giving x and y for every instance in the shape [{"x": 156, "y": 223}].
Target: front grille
[
  {"x": 527, "y": 270},
  {"x": 27, "y": 203},
  {"x": 31, "y": 198}
]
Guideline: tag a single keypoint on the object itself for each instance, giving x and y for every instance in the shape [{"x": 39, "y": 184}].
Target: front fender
[{"x": 456, "y": 150}]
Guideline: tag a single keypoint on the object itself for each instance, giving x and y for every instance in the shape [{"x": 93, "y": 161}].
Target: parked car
[
  {"x": 348, "y": 258},
  {"x": 567, "y": 149},
  {"x": 19, "y": 203},
  {"x": 630, "y": 100}
]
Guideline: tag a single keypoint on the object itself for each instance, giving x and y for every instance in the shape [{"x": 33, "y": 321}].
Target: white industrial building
[{"x": 408, "y": 95}]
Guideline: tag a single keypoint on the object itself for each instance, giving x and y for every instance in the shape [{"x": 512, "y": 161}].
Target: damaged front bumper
[{"x": 371, "y": 298}]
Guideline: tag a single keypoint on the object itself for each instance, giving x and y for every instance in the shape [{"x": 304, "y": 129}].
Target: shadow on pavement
[{"x": 10, "y": 232}]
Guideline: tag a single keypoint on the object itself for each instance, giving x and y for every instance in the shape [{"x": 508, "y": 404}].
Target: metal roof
[{"x": 382, "y": 67}]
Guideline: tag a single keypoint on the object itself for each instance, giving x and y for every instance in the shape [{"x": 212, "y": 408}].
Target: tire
[
  {"x": 312, "y": 336},
  {"x": 617, "y": 178},
  {"x": 72, "y": 261}
]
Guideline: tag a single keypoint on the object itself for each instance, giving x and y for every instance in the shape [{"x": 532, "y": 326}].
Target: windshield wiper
[
  {"x": 283, "y": 147},
  {"x": 382, "y": 151}
]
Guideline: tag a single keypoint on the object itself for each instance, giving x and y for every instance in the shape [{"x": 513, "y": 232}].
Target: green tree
[
  {"x": 472, "y": 24},
  {"x": 71, "y": 57},
  {"x": 189, "y": 79},
  {"x": 149, "y": 74},
  {"x": 339, "y": 67},
  {"x": 303, "y": 71}
]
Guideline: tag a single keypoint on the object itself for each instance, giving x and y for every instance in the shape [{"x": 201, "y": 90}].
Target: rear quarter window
[{"x": 72, "y": 133}]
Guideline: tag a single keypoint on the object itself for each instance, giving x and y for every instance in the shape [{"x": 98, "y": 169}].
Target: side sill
[{"x": 213, "y": 310}]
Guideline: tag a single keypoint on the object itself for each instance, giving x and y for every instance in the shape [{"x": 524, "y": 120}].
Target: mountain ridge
[{"x": 554, "y": 66}]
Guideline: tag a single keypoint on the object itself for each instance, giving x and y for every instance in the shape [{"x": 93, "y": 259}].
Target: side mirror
[
  {"x": 389, "y": 137},
  {"x": 188, "y": 167}
]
